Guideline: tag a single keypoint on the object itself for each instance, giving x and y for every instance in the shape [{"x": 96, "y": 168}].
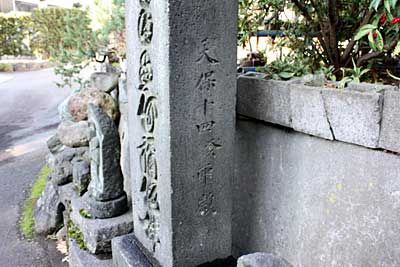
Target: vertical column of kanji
[
  {"x": 202, "y": 88},
  {"x": 147, "y": 208}
]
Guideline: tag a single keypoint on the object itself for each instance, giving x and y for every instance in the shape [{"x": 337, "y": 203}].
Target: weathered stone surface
[
  {"x": 312, "y": 201},
  {"x": 308, "y": 111},
  {"x": 61, "y": 172},
  {"x": 106, "y": 209},
  {"x": 47, "y": 214},
  {"x": 54, "y": 144},
  {"x": 125, "y": 157},
  {"x": 123, "y": 90},
  {"x": 78, "y": 104},
  {"x": 124, "y": 135},
  {"x": 63, "y": 110},
  {"x": 82, "y": 258},
  {"x": 354, "y": 116},
  {"x": 81, "y": 175},
  {"x": 74, "y": 134},
  {"x": 67, "y": 194},
  {"x": 104, "y": 81},
  {"x": 182, "y": 88},
  {"x": 20, "y": 67},
  {"x": 62, "y": 233},
  {"x": 369, "y": 87},
  {"x": 106, "y": 185},
  {"x": 126, "y": 252},
  {"x": 265, "y": 100},
  {"x": 61, "y": 163},
  {"x": 314, "y": 80},
  {"x": 262, "y": 260},
  {"x": 98, "y": 233},
  {"x": 390, "y": 133}
]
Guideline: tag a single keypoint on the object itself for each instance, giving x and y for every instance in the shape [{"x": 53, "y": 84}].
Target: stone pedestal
[
  {"x": 98, "y": 233},
  {"x": 181, "y": 93}
]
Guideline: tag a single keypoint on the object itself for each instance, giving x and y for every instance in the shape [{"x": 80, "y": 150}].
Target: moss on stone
[
  {"x": 85, "y": 214},
  {"x": 75, "y": 233},
  {"x": 26, "y": 222}
]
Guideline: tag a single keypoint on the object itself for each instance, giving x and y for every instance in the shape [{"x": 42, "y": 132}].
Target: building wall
[
  {"x": 313, "y": 201},
  {"x": 28, "y": 5},
  {"x": 6, "y": 5}
]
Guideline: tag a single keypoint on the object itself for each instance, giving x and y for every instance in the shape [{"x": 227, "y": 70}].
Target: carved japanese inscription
[
  {"x": 145, "y": 26},
  {"x": 148, "y": 113},
  {"x": 205, "y": 124}
]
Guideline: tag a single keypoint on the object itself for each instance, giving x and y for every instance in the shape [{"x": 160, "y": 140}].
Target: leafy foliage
[
  {"x": 329, "y": 32},
  {"x": 14, "y": 35},
  {"x": 6, "y": 67},
  {"x": 65, "y": 36},
  {"x": 114, "y": 31},
  {"x": 288, "y": 67}
]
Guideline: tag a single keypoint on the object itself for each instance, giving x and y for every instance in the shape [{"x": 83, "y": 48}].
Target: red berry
[
  {"x": 383, "y": 18},
  {"x": 395, "y": 20},
  {"x": 374, "y": 35}
]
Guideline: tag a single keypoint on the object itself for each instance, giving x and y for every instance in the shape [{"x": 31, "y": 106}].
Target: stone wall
[{"x": 313, "y": 191}]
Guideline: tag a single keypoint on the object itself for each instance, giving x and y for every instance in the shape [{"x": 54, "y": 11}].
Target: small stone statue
[{"x": 106, "y": 197}]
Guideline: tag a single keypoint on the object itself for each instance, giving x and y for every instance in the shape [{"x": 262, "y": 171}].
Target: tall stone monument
[{"x": 181, "y": 89}]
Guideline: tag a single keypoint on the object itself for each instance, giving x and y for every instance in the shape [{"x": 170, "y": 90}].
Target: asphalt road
[{"x": 28, "y": 117}]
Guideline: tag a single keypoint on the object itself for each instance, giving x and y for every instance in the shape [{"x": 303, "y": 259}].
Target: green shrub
[
  {"x": 330, "y": 33},
  {"x": 6, "y": 67},
  {"x": 15, "y": 33},
  {"x": 65, "y": 36}
]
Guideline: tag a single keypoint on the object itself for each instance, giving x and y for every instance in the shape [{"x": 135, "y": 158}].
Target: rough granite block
[
  {"x": 308, "y": 111},
  {"x": 262, "y": 260},
  {"x": 369, "y": 87},
  {"x": 82, "y": 258},
  {"x": 98, "y": 233},
  {"x": 390, "y": 131},
  {"x": 265, "y": 100},
  {"x": 67, "y": 193},
  {"x": 354, "y": 116}
]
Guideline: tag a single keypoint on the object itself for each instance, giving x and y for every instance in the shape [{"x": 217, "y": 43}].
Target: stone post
[
  {"x": 105, "y": 197},
  {"x": 181, "y": 90}
]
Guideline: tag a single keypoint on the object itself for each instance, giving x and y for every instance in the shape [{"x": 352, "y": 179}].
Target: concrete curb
[{"x": 362, "y": 114}]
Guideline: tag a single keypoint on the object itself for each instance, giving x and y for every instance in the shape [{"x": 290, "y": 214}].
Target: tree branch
[
  {"x": 333, "y": 17},
  {"x": 318, "y": 33},
  {"x": 376, "y": 54},
  {"x": 303, "y": 10}
]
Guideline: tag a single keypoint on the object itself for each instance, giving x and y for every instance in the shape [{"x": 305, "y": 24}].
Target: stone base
[
  {"x": 82, "y": 258},
  {"x": 98, "y": 233},
  {"x": 106, "y": 209},
  {"x": 126, "y": 253},
  {"x": 262, "y": 260}
]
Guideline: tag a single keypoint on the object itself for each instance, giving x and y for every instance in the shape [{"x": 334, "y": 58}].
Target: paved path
[{"x": 28, "y": 116}]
